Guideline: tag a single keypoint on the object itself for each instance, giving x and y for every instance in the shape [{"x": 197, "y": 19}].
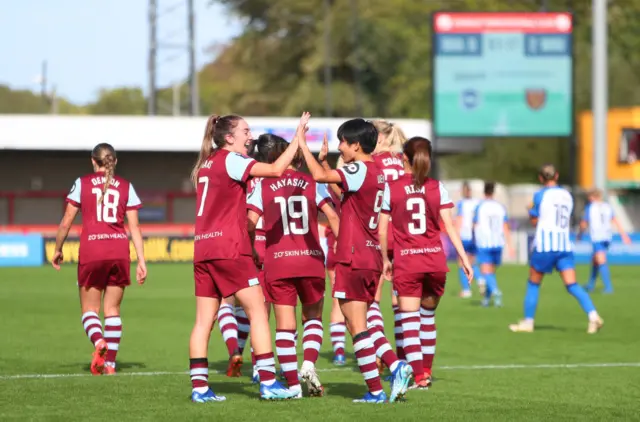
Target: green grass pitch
[{"x": 482, "y": 371}]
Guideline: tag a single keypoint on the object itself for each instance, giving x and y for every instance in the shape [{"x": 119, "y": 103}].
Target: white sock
[{"x": 201, "y": 390}]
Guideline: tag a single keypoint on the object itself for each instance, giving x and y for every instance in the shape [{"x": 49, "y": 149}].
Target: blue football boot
[
  {"x": 276, "y": 391},
  {"x": 401, "y": 378},
  {"x": 205, "y": 397},
  {"x": 370, "y": 398}
]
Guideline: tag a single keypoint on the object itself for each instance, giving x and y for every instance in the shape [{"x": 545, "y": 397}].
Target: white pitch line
[{"x": 439, "y": 368}]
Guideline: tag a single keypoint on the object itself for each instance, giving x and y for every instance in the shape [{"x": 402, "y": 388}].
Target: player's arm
[
  {"x": 252, "y": 223},
  {"x": 332, "y": 218},
  {"x": 255, "y": 209},
  {"x": 507, "y": 235},
  {"x": 70, "y": 214},
  {"x": 383, "y": 231},
  {"x": 534, "y": 208},
  {"x": 133, "y": 205},
  {"x": 278, "y": 167},
  {"x": 447, "y": 220},
  {"x": 623, "y": 233}
]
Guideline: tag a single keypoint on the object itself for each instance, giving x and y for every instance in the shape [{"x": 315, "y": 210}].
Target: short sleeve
[
  {"x": 254, "y": 199},
  {"x": 445, "y": 199},
  {"x": 585, "y": 215},
  {"x": 459, "y": 208},
  {"x": 534, "y": 211},
  {"x": 134, "y": 201},
  {"x": 74, "y": 194},
  {"x": 352, "y": 176},
  {"x": 386, "y": 200},
  {"x": 322, "y": 195},
  {"x": 239, "y": 166}
]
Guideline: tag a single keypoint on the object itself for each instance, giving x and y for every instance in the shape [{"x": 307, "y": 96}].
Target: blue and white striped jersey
[
  {"x": 466, "y": 209},
  {"x": 599, "y": 215},
  {"x": 488, "y": 219},
  {"x": 552, "y": 206}
]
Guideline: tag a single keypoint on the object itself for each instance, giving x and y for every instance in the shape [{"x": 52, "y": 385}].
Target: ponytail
[
  {"x": 206, "y": 148},
  {"x": 215, "y": 132},
  {"x": 418, "y": 153},
  {"x": 104, "y": 155},
  {"x": 393, "y": 137}
]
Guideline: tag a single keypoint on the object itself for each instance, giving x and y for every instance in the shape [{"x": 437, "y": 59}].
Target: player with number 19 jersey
[
  {"x": 222, "y": 256},
  {"x": 358, "y": 257},
  {"x": 294, "y": 260},
  {"x": 104, "y": 238},
  {"x": 420, "y": 261}
]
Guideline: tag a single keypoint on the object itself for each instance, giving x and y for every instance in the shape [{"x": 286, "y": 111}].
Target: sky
[{"x": 94, "y": 44}]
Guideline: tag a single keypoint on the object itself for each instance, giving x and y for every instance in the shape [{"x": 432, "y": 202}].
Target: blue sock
[
  {"x": 464, "y": 282},
  {"x": 531, "y": 299},
  {"x": 476, "y": 271},
  {"x": 606, "y": 277},
  {"x": 490, "y": 280},
  {"x": 594, "y": 276},
  {"x": 583, "y": 297}
]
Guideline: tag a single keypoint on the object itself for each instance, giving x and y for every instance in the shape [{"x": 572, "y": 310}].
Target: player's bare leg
[
  {"x": 311, "y": 343},
  {"x": 337, "y": 326},
  {"x": 206, "y": 311},
  {"x": 112, "y": 326},
  {"x": 285, "y": 345},
  {"x": 90, "y": 299},
  {"x": 229, "y": 329}
]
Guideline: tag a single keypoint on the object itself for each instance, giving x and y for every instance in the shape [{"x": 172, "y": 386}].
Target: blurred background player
[
  {"x": 223, "y": 253},
  {"x": 104, "y": 262},
  {"x": 337, "y": 327},
  {"x": 294, "y": 261},
  {"x": 491, "y": 235},
  {"x": 464, "y": 212},
  {"x": 417, "y": 203},
  {"x": 550, "y": 213},
  {"x": 388, "y": 156},
  {"x": 359, "y": 263},
  {"x": 598, "y": 218}
]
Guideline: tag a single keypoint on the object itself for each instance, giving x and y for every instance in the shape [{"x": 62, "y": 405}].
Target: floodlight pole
[{"x": 599, "y": 94}]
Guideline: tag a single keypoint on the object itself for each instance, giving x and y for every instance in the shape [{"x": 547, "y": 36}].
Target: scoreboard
[{"x": 502, "y": 74}]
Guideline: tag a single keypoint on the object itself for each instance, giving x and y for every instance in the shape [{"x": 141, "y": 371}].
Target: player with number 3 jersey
[
  {"x": 104, "y": 258},
  {"x": 359, "y": 262},
  {"x": 414, "y": 205}
]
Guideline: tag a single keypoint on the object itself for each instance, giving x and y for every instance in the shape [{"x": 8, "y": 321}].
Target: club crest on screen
[{"x": 536, "y": 98}]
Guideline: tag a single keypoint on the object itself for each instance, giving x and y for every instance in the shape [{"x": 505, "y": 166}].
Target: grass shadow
[{"x": 86, "y": 367}]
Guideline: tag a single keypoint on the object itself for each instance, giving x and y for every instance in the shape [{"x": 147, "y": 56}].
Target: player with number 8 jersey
[{"x": 104, "y": 258}]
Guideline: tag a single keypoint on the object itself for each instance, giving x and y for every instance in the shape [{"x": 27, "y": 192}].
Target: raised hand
[{"x": 324, "y": 151}]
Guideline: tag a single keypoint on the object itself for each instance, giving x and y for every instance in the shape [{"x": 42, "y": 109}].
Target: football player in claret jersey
[
  {"x": 104, "y": 258},
  {"x": 294, "y": 261},
  {"x": 359, "y": 263},
  {"x": 415, "y": 204},
  {"x": 491, "y": 234},
  {"x": 598, "y": 218},
  {"x": 464, "y": 221},
  {"x": 388, "y": 156},
  {"x": 550, "y": 213},
  {"x": 223, "y": 254}
]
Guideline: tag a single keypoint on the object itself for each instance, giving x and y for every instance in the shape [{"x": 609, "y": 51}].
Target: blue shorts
[
  {"x": 600, "y": 246},
  {"x": 469, "y": 247},
  {"x": 491, "y": 256},
  {"x": 545, "y": 262}
]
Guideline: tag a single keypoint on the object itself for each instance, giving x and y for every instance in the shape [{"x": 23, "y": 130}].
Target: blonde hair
[
  {"x": 393, "y": 137},
  {"x": 105, "y": 156}
]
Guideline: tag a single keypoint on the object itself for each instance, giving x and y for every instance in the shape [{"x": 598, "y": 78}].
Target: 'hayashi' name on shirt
[
  {"x": 296, "y": 183},
  {"x": 100, "y": 181},
  {"x": 302, "y": 252}
]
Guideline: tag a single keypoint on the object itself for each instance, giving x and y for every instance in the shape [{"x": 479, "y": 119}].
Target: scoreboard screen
[{"x": 502, "y": 74}]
